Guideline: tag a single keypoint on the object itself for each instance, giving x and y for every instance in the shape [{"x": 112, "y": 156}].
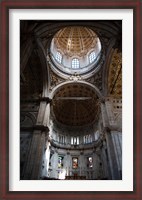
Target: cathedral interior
[{"x": 70, "y": 100}]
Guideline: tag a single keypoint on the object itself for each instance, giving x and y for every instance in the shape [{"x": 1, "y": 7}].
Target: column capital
[
  {"x": 47, "y": 99},
  {"x": 37, "y": 100}
]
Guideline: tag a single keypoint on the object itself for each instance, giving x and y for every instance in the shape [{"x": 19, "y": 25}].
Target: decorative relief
[
  {"x": 115, "y": 74},
  {"x": 54, "y": 79},
  {"x": 75, "y": 77},
  {"x": 27, "y": 119}
]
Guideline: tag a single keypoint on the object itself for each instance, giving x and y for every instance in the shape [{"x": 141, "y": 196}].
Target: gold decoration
[{"x": 115, "y": 75}]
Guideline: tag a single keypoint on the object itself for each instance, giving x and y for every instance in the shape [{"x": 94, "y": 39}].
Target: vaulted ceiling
[
  {"x": 76, "y": 104},
  {"x": 108, "y": 79},
  {"x": 31, "y": 83}
]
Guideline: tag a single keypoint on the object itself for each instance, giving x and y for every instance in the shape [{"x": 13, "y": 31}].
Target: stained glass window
[
  {"x": 90, "y": 162},
  {"x": 74, "y": 163}
]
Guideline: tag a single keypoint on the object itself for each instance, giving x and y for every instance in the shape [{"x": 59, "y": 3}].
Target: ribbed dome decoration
[
  {"x": 75, "y": 49},
  {"x": 75, "y": 41}
]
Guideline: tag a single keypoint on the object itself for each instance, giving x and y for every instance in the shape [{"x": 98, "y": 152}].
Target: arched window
[
  {"x": 84, "y": 139},
  {"x": 97, "y": 135},
  {"x": 62, "y": 139},
  {"x": 59, "y": 57},
  {"x": 74, "y": 140},
  {"x": 87, "y": 139},
  {"x": 92, "y": 56},
  {"x": 75, "y": 63}
]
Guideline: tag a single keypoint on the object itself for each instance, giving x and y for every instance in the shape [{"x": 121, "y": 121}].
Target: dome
[{"x": 75, "y": 49}]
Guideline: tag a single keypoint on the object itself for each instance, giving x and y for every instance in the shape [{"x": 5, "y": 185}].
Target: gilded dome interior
[
  {"x": 75, "y": 41},
  {"x": 75, "y": 49}
]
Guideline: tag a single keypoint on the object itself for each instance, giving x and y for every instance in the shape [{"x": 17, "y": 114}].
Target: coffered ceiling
[
  {"x": 76, "y": 105},
  {"x": 75, "y": 40}
]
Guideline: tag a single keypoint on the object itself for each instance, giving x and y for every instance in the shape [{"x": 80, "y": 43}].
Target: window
[
  {"x": 75, "y": 63},
  {"x": 92, "y": 57},
  {"x": 59, "y": 57},
  {"x": 74, "y": 163},
  {"x": 74, "y": 140},
  {"x": 89, "y": 162},
  {"x": 62, "y": 139},
  {"x": 97, "y": 135},
  {"x": 60, "y": 162},
  {"x": 87, "y": 139}
]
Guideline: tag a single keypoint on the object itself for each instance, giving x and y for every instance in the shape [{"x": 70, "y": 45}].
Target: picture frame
[{"x": 136, "y": 5}]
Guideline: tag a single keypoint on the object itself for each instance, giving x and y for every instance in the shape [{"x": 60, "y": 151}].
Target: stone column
[
  {"x": 112, "y": 156},
  {"x": 95, "y": 165},
  {"x": 46, "y": 120},
  {"x": 110, "y": 146},
  {"x": 117, "y": 141},
  {"x": 82, "y": 162},
  {"x": 68, "y": 139},
  {"x": 54, "y": 164},
  {"x": 46, "y": 159},
  {"x": 106, "y": 168},
  {"x": 37, "y": 149},
  {"x": 104, "y": 115},
  {"x": 38, "y": 145},
  {"x": 80, "y": 139}
]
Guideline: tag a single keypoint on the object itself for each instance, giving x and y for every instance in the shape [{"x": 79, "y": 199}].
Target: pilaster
[
  {"x": 112, "y": 156},
  {"x": 110, "y": 144},
  {"x": 38, "y": 146}
]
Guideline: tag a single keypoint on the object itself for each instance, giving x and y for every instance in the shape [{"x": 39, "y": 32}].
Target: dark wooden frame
[{"x": 5, "y": 194}]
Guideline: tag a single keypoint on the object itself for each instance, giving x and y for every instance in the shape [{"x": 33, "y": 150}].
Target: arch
[
  {"x": 93, "y": 87},
  {"x": 43, "y": 30},
  {"x": 31, "y": 119}
]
